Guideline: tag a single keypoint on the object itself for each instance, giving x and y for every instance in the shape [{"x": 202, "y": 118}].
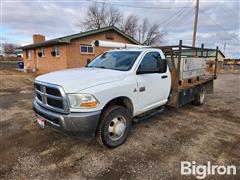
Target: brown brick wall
[
  {"x": 37, "y": 38},
  {"x": 47, "y": 63},
  {"x": 70, "y": 55},
  {"x": 76, "y": 59},
  {"x": 29, "y": 63}
]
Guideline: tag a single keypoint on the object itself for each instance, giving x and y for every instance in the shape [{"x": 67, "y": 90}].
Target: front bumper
[{"x": 83, "y": 124}]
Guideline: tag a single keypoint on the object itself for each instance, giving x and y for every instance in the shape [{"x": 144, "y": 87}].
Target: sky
[{"x": 218, "y": 21}]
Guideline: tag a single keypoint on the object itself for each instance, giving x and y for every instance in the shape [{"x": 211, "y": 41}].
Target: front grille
[
  {"x": 55, "y": 103},
  {"x": 53, "y": 91},
  {"x": 51, "y": 97},
  {"x": 38, "y": 87},
  {"x": 39, "y": 96}
]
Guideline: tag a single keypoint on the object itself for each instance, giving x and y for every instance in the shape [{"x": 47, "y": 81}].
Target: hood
[{"x": 74, "y": 80}]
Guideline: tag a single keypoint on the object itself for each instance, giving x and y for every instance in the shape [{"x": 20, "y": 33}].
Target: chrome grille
[{"x": 51, "y": 97}]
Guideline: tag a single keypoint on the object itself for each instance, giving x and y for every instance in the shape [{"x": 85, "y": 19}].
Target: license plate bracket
[{"x": 41, "y": 122}]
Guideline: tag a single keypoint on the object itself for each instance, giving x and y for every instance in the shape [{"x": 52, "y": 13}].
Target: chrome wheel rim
[{"x": 117, "y": 128}]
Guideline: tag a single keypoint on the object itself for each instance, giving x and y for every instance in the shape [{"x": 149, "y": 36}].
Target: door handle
[
  {"x": 164, "y": 76},
  {"x": 141, "y": 89}
]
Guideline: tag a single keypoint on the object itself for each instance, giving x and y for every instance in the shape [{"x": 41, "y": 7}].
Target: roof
[
  {"x": 67, "y": 39},
  {"x": 220, "y": 52}
]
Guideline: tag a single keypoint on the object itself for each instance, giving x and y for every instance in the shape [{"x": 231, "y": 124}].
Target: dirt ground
[{"x": 154, "y": 149}]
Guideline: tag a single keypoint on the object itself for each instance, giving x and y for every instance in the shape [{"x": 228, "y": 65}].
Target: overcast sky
[{"x": 219, "y": 21}]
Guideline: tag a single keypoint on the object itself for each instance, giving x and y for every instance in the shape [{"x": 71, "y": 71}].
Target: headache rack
[{"x": 183, "y": 90}]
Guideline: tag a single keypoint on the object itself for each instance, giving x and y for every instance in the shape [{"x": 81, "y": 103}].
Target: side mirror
[
  {"x": 88, "y": 61},
  {"x": 162, "y": 66}
]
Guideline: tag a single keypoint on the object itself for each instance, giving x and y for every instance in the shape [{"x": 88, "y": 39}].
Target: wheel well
[{"x": 121, "y": 101}]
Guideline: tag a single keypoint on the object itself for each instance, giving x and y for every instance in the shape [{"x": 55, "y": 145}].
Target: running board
[{"x": 149, "y": 114}]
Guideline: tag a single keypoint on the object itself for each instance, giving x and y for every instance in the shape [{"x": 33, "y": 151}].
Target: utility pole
[
  {"x": 224, "y": 48},
  {"x": 195, "y": 23}
]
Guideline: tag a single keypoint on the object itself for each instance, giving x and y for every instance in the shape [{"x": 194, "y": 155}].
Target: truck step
[{"x": 149, "y": 114}]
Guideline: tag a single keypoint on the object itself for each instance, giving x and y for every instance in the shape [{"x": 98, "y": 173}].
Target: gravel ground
[
  {"x": 154, "y": 149},
  {"x": 8, "y": 65}
]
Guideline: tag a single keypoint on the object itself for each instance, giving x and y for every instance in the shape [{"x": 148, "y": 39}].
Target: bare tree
[
  {"x": 99, "y": 16},
  {"x": 95, "y": 17},
  {"x": 130, "y": 25},
  {"x": 9, "y": 48},
  {"x": 114, "y": 17},
  {"x": 149, "y": 34}
]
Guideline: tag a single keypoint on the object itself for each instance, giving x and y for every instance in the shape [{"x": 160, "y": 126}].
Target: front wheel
[{"x": 115, "y": 126}]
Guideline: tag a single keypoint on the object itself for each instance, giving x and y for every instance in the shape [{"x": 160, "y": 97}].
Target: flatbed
[{"x": 184, "y": 90}]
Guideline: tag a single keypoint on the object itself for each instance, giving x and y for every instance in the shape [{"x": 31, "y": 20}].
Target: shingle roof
[{"x": 67, "y": 39}]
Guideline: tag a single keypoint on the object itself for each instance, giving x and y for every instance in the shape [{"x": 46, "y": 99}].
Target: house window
[
  {"x": 41, "y": 53},
  {"x": 28, "y": 54},
  {"x": 55, "y": 52},
  {"x": 86, "y": 49}
]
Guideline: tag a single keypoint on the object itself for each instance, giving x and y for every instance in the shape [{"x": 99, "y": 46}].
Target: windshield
[{"x": 117, "y": 60}]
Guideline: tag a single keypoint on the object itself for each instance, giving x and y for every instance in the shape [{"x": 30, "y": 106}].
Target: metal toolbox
[{"x": 192, "y": 67}]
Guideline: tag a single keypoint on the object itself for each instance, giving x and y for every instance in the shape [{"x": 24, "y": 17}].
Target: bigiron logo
[{"x": 201, "y": 171}]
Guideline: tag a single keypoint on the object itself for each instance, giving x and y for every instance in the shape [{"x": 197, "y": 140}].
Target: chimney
[{"x": 38, "y": 38}]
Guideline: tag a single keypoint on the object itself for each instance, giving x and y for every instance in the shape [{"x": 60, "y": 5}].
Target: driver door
[{"x": 153, "y": 86}]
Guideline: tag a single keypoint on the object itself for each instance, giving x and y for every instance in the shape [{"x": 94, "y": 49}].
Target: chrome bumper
[{"x": 83, "y": 124}]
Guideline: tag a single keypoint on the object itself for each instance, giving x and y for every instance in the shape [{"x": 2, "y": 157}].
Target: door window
[{"x": 150, "y": 62}]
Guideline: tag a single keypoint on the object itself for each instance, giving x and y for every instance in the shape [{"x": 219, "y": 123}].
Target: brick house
[{"x": 69, "y": 51}]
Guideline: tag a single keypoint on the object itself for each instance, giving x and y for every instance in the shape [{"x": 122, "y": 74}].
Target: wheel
[
  {"x": 115, "y": 126},
  {"x": 200, "y": 97}
]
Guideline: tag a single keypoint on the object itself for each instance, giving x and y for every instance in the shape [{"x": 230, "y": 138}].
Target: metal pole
[
  {"x": 216, "y": 62},
  {"x": 179, "y": 61},
  {"x": 224, "y": 48},
  {"x": 195, "y": 23},
  {"x": 202, "y": 49}
]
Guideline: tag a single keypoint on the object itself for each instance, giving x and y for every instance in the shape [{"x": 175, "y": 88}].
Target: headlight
[{"x": 82, "y": 101}]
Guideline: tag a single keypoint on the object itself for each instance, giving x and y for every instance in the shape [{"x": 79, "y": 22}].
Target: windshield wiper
[{"x": 103, "y": 67}]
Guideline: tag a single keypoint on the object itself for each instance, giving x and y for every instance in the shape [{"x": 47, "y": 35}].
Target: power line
[
  {"x": 219, "y": 26},
  {"x": 180, "y": 18},
  {"x": 141, "y": 7},
  {"x": 175, "y": 15}
]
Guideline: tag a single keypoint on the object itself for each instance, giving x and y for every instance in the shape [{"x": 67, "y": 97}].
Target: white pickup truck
[{"x": 102, "y": 99}]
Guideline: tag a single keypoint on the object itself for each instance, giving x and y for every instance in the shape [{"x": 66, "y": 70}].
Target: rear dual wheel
[{"x": 115, "y": 126}]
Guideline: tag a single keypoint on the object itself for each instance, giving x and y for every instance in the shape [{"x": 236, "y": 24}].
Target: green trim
[{"x": 67, "y": 39}]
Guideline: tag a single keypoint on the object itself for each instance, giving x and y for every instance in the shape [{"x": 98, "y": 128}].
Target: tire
[
  {"x": 200, "y": 97},
  {"x": 115, "y": 126}
]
